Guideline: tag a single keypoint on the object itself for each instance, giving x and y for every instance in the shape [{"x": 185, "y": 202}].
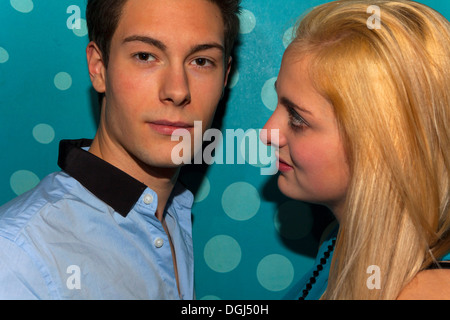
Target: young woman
[{"x": 363, "y": 116}]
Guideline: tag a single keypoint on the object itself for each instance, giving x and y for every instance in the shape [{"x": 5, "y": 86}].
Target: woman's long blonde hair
[{"x": 389, "y": 86}]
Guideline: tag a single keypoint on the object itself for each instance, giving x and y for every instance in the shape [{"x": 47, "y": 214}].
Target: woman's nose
[{"x": 271, "y": 134}]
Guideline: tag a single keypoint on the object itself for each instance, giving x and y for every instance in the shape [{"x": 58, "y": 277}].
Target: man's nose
[{"x": 175, "y": 89}]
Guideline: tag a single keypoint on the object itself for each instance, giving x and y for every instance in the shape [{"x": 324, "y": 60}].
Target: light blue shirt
[{"x": 60, "y": 241}]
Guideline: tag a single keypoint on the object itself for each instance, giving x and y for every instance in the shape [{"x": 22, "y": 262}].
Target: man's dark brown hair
[{"x": 103, "y": 18}]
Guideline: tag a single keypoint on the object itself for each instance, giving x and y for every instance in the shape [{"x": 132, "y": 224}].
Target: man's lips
[{"x": 165, "y": 127}]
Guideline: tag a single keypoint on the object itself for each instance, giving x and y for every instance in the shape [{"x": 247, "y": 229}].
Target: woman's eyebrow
[{"x": 288, "y": 103}]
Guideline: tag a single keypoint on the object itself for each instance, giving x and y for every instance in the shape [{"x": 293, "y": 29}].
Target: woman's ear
[{"x": 96, "y": 66}]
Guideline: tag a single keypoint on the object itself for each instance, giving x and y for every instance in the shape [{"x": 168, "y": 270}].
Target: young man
[{"x": 114, "y": 224}]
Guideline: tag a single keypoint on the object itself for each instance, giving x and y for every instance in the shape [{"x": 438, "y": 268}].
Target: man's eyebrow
[
  {"x": 289, "y": 104},
  {"x": 148, "y": 40},
  {"x": 206, "y": 46},
  {"x": 160, "y": 45}
]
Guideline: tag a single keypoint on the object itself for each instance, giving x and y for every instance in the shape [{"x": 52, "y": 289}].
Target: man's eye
[
  {"x": 144, "y": 57},
  {"x": 203, "y": 62}
]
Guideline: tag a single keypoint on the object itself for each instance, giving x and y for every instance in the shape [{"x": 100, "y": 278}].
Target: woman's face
[{"x": 312, "y": 162}]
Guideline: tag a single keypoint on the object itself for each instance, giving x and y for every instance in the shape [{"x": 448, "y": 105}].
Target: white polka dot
[
  {"x": 203, "y": 190},
  {"x": 23, "y": 6},
  {"x": 82, "y": 30},
  {"x": 222, "y": 253},
  {"x": 275, "y": 272},
  {"x": 23, "y": 180},
  {"x": 234, "y": 79},
  {"x": 269, "y": 95},
  {"x": 293, "y": 220},
  {"x": 241, "y": 201},
  {"x": 4, "y": 55},
  {"x": 288, "y": 36},
  {"x": 43, "y": 133},
  {"x": 63, "y": 81},
  {"x": 247, "y": 20}
]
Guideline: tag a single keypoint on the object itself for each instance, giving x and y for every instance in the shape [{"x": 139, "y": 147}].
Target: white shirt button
[
  {"x": 159, "y": 242},
  {"x": 148, "y": 199}
]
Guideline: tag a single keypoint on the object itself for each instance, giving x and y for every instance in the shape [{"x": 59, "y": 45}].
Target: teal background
[{"x": 250, "y": 241}]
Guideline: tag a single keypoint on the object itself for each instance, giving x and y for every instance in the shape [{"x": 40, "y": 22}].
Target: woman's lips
[
  {"x": 167, "y": 127},
  {"x": 283, "y": 166}
]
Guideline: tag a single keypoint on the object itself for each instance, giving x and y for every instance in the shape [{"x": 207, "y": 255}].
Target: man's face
[{"x": 166, "y": 70}]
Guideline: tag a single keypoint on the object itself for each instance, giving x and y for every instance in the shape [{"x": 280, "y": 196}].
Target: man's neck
[{"x": 160, "y": 180}]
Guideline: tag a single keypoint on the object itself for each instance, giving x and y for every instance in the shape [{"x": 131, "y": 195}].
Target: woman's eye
[{"x": 295, "y": 120}]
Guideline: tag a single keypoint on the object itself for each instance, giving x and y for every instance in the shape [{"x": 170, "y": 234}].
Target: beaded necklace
[{"x": 316, "y": 272}]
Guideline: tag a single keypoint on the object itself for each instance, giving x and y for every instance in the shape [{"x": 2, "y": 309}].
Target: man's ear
[{"x": 96, "y": 66}]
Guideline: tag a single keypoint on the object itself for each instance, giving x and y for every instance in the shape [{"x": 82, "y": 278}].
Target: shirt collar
[
  {"x": 182, "y": 197},
  {"x": 108, "y": 183}
]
